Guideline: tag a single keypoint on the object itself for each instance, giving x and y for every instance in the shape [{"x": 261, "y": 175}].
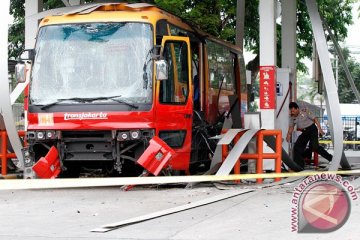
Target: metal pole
[
  {"x": 337, "y": 71},
  {"x": 240, "y": 22},
  {"x": 356, "y": 129}
]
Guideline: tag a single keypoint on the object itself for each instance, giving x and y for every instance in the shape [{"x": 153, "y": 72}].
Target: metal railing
[
  {"x": 351, "y": 132},
  {"x": 259, "y": 155},
  {"x": 5, "y": 155}
]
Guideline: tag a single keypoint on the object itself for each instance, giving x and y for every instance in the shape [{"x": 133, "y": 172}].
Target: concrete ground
[
  {"x": 72, "y": 213},
  {"x": 352, "y": 156},
  {"x": 264, "y": 213}
]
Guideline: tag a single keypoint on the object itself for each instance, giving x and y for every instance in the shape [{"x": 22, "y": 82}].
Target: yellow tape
[
  {"x": 347, "y": 142},
  {"x": 352, "y": 142},
  {"x": 106, "y": 182}
]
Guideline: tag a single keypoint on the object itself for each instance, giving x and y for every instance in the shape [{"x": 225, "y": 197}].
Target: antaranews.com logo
[{"x": 321, "y": 204}]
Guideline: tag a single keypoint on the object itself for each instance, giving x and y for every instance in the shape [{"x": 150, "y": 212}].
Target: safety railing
[
  {"x": 4, "y": 154},
  {"x": 259, "y": 155}
]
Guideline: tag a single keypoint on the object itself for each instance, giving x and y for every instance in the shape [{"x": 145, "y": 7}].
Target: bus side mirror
[
  {"x": 27, "y": 55},
  {"x": 20, "y": 72},
  {"x": 161, "y": 70}
]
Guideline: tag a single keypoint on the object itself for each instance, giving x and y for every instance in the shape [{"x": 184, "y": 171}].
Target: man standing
[{"x": 310, "y": 128}]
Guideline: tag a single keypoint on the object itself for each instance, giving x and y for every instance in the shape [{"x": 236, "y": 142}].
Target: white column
[
  {"x": 240, "y": 22},
  {"x": 31, "y": 24},
  {"x": 288, "y": 40},
  {"x": 267, "y": 51},
  {"x": 287, "y": 73}
]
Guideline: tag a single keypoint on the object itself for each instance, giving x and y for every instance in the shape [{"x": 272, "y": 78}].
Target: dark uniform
[{"x": 309, "y": 132}]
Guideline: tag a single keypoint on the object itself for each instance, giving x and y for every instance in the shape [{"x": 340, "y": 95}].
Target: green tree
[
  {"x": 16, "y": 37},
  {"x": 218, "y": 17},
  {"x": 346, "y": 95},
  {"x": 307, "y": 88},
  {"x": 17, "y": 29}
]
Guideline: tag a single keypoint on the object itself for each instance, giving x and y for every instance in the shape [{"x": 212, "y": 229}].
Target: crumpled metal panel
[
  {"x": 81, "y": 9},
  {"x": 85, "y": 9},
  {"x": 161, "y": 213},
  {"x": 48, "y": 166},
  {"x": 60, "y": 11},
  {"x": 217, "y": 154},
  {"x": 329, "y": 81},
  {"x": 229, "y": 136},
  {"x": 235, "y": 152},
  {"x": 139, "y": 5},
  {"x": 156, "y": 156}
]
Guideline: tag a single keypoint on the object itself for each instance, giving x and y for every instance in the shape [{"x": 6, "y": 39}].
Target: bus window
[
  {"x": 222, "y": 78},
  {"x": 175, "y": 89},
  {"x": 221, "y": 67}
]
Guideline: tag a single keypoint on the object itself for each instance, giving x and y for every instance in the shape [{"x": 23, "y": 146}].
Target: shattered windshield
[{"x": 92, "y": 60}]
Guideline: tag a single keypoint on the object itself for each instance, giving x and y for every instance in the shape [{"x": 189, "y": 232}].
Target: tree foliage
[
  {"x": 218, "y": 17},
  {"x": 346, "y": 95},
  {"x": 307, "y": 88},
  {"x": 16, "y": 37},
  {"x": 17, "y": 29}
]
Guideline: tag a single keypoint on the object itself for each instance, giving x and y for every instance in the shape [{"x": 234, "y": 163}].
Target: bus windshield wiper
[
  {"x": 45, "y": 106},
  {"x": 124, "y": 102},
  {"x": 84, "y": 100},
  {"x": 114, "y": 98}
]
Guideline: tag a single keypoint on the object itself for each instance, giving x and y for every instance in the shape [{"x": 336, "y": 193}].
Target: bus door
[{"x": 174, "y": 103}]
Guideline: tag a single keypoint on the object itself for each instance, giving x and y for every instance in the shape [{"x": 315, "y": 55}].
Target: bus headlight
[
  {"x": 40, "y": 135},
  {"x": 135, "y": 134},
  {"x": 50, "y": 134},
  {"x": 123, "y": 136}
]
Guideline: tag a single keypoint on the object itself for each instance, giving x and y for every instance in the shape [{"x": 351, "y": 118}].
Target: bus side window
[
  {"x": 175, "y": 89},
  {"x": 222, "y": 83}
]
